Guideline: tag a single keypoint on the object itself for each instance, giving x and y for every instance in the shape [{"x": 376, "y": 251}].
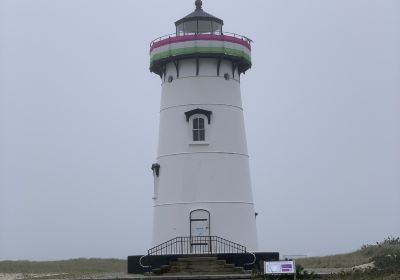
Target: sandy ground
[
  {"x": 10, "y": 276},
  {"x": 20, "y": 276},
  {"x": 65, "y": 276},
  {"x": 109, "y": 276},
  {"x": 339, "y": 270}
]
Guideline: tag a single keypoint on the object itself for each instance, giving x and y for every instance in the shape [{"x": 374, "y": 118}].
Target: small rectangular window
[
  {"x": 201, "y": 123},
  {"x": 199, "y": 131},
  {"x": 202, "y": 135},
  {"x": 195, "y": 135}
]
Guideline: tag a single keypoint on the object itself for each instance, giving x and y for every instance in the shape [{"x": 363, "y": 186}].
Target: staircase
[
  {"x": 195, "y": 258},
  {"x": 200, "y": 266}
]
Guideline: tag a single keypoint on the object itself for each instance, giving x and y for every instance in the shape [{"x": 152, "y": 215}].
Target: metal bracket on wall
[
  {"x": 197, "y": 66},
  {"x": 156, "y": 169},
  {"x": 176, "y": 63},
  {"x": 164, "y": 71},
  {"x": 233, "y": 69},
  {"x": 219, "y": 65}
]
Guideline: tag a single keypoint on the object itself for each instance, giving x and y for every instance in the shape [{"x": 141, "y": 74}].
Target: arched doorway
[{"x": 200, "y": 231}]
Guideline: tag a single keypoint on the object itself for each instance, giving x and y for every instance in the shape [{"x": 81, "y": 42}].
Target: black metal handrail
[{"x": 197, "y": 245}]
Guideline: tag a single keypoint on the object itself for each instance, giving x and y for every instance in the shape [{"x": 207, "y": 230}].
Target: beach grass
[
  {"x": 81, "y": 265},
  {"x": 365, "y": 255}
]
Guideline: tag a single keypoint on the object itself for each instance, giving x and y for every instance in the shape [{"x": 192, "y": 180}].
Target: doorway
[{"x": 200, "y": 240}]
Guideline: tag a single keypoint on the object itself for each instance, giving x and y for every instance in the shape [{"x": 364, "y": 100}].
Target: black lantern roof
[{"x": 199, "y": 14}]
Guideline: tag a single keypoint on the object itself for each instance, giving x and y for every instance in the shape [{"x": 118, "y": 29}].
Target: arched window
[
  {"x": 199, "y": 131},
  {"x": 199, "y": 120}
]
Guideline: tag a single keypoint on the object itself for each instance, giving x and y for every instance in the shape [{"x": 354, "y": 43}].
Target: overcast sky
[{"x": 79, "y": 116}]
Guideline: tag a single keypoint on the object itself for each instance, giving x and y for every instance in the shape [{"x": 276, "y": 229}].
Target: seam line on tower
[
  {"x": 191, "y": 153},
  {"x": 196, "y": 202}
]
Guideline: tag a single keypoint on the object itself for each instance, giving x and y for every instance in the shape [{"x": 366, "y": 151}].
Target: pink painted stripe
[{"x": 209, "y": 37}]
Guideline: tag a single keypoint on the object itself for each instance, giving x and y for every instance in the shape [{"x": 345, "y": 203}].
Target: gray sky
[{"x": 79, "y": 123}]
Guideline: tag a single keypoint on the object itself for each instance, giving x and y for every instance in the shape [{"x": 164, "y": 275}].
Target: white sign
[{"x": 283, "y": 267}]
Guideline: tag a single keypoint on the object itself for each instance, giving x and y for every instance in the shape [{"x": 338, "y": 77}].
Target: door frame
[
  {"x": 209, "y": 221},
  {"x": 207, "y": 240}
]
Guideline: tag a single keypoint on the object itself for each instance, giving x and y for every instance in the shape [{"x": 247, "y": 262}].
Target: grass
[
  {"x": 335, "y": 261},
  {"x": 68, "y": 266},
  {"x": 362, "y": 256},
  {"x": 384, "y": 255},
  {"x": 364, "y": 276}
]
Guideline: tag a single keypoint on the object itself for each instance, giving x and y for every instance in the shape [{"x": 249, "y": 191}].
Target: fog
[{"x": 79, "y": 116}]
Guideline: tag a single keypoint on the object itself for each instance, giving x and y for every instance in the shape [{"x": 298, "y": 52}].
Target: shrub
[{"x": 389, "y": 263}]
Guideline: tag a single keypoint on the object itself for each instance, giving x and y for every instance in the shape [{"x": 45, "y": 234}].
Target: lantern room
[{"x": 199, "y": 22}]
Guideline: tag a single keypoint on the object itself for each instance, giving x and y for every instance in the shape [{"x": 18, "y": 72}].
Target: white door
[
  {"x": 200, "y": 228},
  {"x": 200, "y": 231}
]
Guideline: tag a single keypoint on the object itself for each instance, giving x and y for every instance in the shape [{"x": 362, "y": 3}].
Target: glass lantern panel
[
  {"x": 205, "y": 27},
  {"x": 216, "y": 28},
  {"x": 201, "y": 123},
  {"x": 191, "y": 27},
  {"x": 180, "y": 30}
]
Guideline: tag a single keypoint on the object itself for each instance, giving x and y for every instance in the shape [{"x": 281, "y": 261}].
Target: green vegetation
[
  {"x": 367, "y": 254},
  {"x": 385, "y": 257},
  {"x": 68, "y": 266},
  {"x": 364, "y": 276}
]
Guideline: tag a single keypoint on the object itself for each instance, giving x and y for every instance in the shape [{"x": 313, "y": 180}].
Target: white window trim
[
  {"x": 206, "y": 130},
  {"x": 199, "y": 143}
]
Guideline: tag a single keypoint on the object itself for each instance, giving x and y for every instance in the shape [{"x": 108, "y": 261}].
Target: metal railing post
[{"x": 210, "y": 245}]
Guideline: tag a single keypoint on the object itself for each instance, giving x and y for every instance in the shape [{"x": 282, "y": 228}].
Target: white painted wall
[{"x": 213, "y": 175}]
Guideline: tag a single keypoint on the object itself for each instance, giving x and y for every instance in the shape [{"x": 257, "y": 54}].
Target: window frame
[
  {"x": 203, "y": 114},
  {"x": 192, "y": 141},
  {"x": 198, "y": 129},
  {"x": 182, "y": 28}
]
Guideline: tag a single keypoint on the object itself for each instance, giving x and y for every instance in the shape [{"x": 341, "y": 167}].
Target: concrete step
[
  {"x": 202, "y": 265},
  {"x": 199, "y": 266},
  {"x": 182, "y": 263},
  {"x": 211, "y": 264},
  {"x": 197, "y": 259},
  {"x": 207, "y": 270},
  {"x": 203, "y": 274},
  {"x": 200, "y": 277}
]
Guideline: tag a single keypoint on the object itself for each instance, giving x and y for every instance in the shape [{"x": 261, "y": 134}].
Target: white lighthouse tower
[{"x": 202, "y": 181}]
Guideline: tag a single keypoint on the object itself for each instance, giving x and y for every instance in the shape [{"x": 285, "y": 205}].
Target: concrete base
[
  {"x": 235, "y": 259},
  {"x": 179, "y": 277},
  {"x": 120, "y": 276}
]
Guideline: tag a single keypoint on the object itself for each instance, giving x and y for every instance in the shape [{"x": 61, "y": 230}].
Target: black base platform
[{"x": 240, "y": 260}]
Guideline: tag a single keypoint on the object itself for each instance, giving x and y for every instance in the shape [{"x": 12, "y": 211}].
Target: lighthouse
[{"x": 202, "y": 185}]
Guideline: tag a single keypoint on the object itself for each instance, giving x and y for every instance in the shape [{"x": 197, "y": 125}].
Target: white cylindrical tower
[{"x": 202, "y": 181}]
